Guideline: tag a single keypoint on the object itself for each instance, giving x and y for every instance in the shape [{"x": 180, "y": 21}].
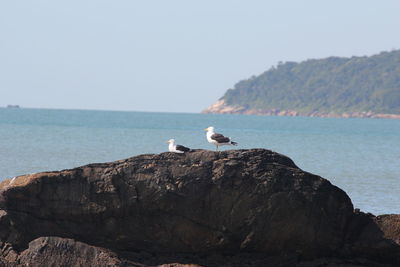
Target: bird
[
  {"x": 218, "y": 139},
  {"x": 172, "y": 147}
]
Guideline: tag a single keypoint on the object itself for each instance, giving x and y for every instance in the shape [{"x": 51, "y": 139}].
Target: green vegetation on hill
[{"x": 333, "y": 84}]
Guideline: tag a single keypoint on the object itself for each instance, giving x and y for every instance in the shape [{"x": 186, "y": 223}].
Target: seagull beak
[
  {"x": 206, "y": 129},
  {"x": 167, "y": 142}
]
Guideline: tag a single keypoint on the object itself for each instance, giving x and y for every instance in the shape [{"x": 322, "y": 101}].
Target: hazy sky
[{"x": 177, "y": 56}]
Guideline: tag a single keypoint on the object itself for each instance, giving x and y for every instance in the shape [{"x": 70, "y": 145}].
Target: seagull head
[
  {"x": 209, "y": 129},
  {"x": 170, "y": 141}
]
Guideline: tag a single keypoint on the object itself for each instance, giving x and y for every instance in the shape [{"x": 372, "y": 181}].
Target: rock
[
  {"x": 220, "y": 107},
  {"x": 390, "y": 226},
  {"x": 239, "y": 202},
  {"x": 56, "y": 251}
]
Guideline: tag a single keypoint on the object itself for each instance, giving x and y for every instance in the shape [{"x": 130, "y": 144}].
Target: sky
[{"x": 171, "y": 56}]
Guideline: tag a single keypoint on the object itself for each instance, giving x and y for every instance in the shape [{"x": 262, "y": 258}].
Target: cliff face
[{"x": 203, "y": 202}]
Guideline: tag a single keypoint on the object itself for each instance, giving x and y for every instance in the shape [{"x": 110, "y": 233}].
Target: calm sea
[{"x": 361, "y": 156}]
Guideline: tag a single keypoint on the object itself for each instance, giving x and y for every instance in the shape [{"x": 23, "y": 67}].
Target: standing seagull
[
  {"x": 176, "y": 148},
  {"x": 217, "y": 139}
]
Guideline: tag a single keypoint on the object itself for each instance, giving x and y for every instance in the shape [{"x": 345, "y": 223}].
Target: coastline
[{"x": 220, "y": 107}]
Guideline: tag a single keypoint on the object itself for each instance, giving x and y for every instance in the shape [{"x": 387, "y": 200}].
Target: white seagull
[
  {"x": 172, "y": 147},
  {"x": 218, "y": 139}
]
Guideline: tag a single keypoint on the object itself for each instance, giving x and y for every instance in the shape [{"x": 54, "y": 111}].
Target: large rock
[
  {"x": 202, "y": 202},
  {"x": 56, "y": 251}
]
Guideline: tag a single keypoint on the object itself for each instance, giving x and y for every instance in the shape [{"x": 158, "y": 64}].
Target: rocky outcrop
[
  {"x": 220, "y": 107},
  {"x": 56, "y": 251},
  {"x": 238, "y": 208},
  {"x": 390, "y": 226}
]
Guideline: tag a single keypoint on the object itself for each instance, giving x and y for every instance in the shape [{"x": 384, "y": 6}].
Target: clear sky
[{"x": 174, "y": 56}]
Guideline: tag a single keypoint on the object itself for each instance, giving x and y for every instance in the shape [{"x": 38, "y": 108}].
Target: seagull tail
[{"x": 234, "y": 143}]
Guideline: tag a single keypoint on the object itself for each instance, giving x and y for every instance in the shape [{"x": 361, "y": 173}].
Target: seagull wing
[
  {"x": 220, "y": 138},
  {"x": 182, "y": 148}
]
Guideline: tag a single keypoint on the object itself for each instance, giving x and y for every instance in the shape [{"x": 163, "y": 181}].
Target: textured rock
[
  {"x": 220, "y": 107},
  {"x": 390, "y": 226},
  {"x": 55, "y": 251},
  {"x": 203, "y": 202}
]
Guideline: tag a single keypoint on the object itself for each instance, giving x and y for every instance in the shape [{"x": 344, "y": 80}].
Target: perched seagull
[
  {"x": 176, "y": 148},
  {"x": 217, "y": 139}
]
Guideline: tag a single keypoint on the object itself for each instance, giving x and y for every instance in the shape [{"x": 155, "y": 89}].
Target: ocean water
[{"x": 361, "y": 156}]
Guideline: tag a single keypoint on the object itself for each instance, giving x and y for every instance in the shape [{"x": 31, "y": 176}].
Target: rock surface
[
  {"x": 220, "y": 107},
  {"x": 231, "y": 208}
]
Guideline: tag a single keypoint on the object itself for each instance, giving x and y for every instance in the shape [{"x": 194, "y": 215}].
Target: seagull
[
  {"x": 176, "y": 148},
  {"x": 217, "y": 139}
]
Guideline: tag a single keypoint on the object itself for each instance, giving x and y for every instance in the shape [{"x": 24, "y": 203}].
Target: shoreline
[{"x": 220, "y": 107}]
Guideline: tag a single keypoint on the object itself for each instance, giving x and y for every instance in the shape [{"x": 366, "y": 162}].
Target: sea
[{"x": 359, "y": 155}]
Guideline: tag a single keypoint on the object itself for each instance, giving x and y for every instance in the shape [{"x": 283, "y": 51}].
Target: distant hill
[{"x": 334, "y": 86}]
